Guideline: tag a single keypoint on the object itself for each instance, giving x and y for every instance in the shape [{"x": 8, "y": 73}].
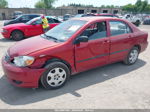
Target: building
[{"x": 6, "y": 13}]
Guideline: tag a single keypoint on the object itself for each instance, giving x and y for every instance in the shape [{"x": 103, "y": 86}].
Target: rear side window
[
  {"x": 119, "y": 28},
  {"x": 50, "y": 20},
  {"x": 56, "y": 21}
]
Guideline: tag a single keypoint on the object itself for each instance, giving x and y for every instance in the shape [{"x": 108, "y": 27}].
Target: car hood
[
  {"x": 8, "y": 21},
  {"x": 31, "y": 45},
  {"x": 14, "y": 25}
]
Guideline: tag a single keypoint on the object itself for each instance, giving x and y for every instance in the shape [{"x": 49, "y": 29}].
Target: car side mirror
[{"x": 81, "y": 39}]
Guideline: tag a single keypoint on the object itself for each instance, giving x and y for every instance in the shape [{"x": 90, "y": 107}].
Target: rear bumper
[
  {"x": 22, "y": 77},
  {"x": 144, "y": 46}
]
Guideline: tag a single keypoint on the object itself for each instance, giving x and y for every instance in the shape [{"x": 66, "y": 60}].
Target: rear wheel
[
  {"x": 55, "y": 76},
  {"x": 132, "y": 56},
  {"x": 17, "y": 35}
]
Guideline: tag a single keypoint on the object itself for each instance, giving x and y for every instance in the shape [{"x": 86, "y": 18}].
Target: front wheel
[
  {"x": 55, "y": 76},
  {"x": 132, "y": 56},
  {"x": 137, "y": 23},
  {"x": 17, "y": 35}
]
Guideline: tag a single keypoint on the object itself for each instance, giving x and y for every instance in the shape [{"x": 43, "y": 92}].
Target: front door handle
[{"x": 106, "y": 41}]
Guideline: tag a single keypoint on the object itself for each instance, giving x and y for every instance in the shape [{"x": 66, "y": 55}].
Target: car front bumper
[
  {"x": 5, "y": 34},
  {"x": 22, "y": 77}
]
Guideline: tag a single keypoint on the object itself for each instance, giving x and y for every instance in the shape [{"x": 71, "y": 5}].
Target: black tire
[
  {"x": 50, "y": 67},
  {"x": 127, "y": 60},
  {"x": 17, "y": 35},
  {"x": 137, "y": 23}
]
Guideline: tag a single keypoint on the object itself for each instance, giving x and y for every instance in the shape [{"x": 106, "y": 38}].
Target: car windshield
[
  {"x": 65, "y": 30},
  {"x": 32, "y": 20},
  {"x": 19, "y": 17}
]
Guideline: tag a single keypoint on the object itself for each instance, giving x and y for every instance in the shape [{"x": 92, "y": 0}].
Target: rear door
[
  {"x": 120, "y": 37},
  {"x": 95, "y": 52}
]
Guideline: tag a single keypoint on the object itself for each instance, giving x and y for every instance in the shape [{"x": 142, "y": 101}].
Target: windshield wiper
[{"x": 50, "y": 37}]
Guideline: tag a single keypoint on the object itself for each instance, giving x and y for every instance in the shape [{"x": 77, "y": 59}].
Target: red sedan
[
  {"x": 74, "y": 46},
  {"x": 29, "y": 29}
]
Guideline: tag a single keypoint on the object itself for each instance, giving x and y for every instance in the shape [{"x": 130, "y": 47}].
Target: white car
[{"x": 133, "y": 19}]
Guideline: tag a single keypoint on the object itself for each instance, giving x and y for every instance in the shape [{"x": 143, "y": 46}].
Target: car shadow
[
  {"x": 6, "y": 40},
  {"x": 19, "y": 96}
]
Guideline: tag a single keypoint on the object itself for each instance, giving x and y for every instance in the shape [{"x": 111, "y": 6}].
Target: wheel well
[
  {"x": 138, "y": 46},
  {"x": 55, "y": 59},
  {"x": 17, "y": 30}
]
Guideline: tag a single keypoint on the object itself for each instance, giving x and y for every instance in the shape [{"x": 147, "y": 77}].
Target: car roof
[
  {"x": 32, "y": 14},
  {"x": 95, "y": 18}
]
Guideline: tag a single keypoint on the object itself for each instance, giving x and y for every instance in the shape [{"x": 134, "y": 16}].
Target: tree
[
  {"x": 139, "y": 7},
  {"x": 47, "y": 4},
  {"x": 129, "y": 8},
  {"x": 3, "y": 3},
  {"x": 144, "y": 5},
  {"x": 40, "y": 4}
]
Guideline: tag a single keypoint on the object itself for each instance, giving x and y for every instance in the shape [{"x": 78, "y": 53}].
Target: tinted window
[
  {"x": 39, "y": 21},
  {"x": 33, "y": 16},
  {"x": 25, "y": 17},
  {"x": 50, "y": 20},
  {"x": 96, "y": 31},
  {"x": 118, "y": 28},
  {"x": 56, "y": 21}
]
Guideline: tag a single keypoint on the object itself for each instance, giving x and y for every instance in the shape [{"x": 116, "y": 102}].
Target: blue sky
[{"x": 30, "y": 3}]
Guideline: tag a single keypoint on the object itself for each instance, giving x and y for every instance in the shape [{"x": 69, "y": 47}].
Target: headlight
[
  {"x": 4, "y": 31},
  {"x": 23, "y": 61}
]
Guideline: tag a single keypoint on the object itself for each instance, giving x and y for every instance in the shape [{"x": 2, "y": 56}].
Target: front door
[
  {"x": 35, "y": 28},
  {"x": 95, "y": 52}
]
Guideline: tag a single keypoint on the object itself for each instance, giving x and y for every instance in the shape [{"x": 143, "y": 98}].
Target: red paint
[{"x": 80, "y": 57}]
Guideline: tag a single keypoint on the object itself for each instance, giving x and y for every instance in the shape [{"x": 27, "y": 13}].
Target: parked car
[
  {"x": 133, "y": 19},
  {"x": 31, "y": 28},
  {"x": 92, "y": 14},
  {"x": 84, "y": 15},
  {"x": 16, "y": 14},
  {"x": 73, "y": 46},
  {"x": 146, "y": 21},
  {"x": 21, "y": 19},
  {"x": 107, "y": 15},
  {"x": 67, "y": 17}
]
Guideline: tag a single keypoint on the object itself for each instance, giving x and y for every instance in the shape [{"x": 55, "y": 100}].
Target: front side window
[
  {"x": 96, "y": 31},
  {"x": 118, "y": 28},
  {"x": 39, "y": 21}
]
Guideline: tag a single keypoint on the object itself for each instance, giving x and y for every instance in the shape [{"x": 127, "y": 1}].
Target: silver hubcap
[
  {"x": 133, "y": 56},
  {"x": 56, "y": 77}
]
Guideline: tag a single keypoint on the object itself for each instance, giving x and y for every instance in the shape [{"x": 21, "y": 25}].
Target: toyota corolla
[{"x": 74, "y": 46}]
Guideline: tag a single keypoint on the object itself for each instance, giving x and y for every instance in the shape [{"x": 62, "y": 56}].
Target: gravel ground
[{"x": 114, "y": 86}]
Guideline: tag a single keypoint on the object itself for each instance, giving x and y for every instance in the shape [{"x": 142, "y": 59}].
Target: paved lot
[{"x": 114, "y": 86}]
